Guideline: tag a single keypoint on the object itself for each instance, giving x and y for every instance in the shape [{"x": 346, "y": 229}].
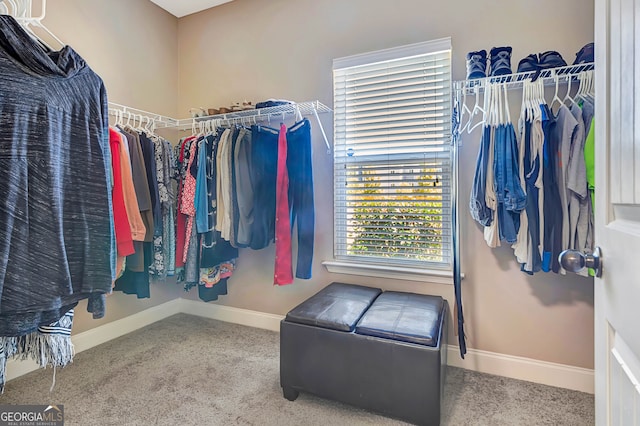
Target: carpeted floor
[{"x": 187, "y": 370}]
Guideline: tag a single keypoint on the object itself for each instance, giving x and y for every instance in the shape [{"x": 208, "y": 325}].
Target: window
[{"x": 392, "y": 158}]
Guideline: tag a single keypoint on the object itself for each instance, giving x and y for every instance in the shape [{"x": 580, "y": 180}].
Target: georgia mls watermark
[{"x": 31, "y": 415}]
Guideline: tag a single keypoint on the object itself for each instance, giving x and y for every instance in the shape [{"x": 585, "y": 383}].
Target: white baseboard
[
  {"x": 113, "y": 330},
  {"x": 102, "y": 334},
  {"x": 548, "y": 373},
  {"x": 230, "y": 314},
  {"x": 531, "y": 370}
]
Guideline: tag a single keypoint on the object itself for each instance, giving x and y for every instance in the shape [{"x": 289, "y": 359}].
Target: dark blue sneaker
[
  {"x": 585, "y": 54},
  {"x": 528, "y": 64},
  {"x": 477, "y": 64},
  {"x": 551, "y": 59},
  {"x": 500, "y": 61}
]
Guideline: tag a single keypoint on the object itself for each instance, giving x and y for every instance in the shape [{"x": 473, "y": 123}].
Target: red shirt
[
  {"x": 120, "y": 219},
  {"x": 283, "y": 271}
]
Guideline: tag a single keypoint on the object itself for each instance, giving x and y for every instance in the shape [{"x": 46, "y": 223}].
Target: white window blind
[{"x": 392, "y": 164}]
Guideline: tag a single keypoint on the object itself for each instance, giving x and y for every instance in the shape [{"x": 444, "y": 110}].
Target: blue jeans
[
  {"x": 264, "y": 155},
  {"x": 531, "y": 172},
  {"x": 301, "y": 204},
  {"x": 509, "y": 194},
  {"x": 477, "y": 203}
]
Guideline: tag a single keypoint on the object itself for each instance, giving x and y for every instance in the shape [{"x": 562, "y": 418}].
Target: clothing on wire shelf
[{"x": 533, "y": 188}]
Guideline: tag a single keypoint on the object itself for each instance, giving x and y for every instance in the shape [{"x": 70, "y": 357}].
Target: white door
[{"x": 617, "y": 214}]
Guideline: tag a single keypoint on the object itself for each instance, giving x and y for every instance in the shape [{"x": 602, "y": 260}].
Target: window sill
[{"x": 387, "y": 271}]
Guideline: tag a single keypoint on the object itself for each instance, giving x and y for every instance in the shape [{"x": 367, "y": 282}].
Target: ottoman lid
[
  {"x": 407, "y": 317},
  {"x": 337, "y": 306}
]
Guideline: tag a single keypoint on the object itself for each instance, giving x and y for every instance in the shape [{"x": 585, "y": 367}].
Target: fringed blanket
[{"x": 49, "y": 346}]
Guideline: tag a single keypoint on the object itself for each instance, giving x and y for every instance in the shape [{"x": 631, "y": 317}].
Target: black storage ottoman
[{"x": 381, "y": 351}]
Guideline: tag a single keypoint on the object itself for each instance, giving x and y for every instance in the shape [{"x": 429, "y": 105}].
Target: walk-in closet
[{"x": 298, "y": 212}]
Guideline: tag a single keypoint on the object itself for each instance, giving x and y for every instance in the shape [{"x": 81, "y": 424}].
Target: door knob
[{"x": 575, "y": 261}]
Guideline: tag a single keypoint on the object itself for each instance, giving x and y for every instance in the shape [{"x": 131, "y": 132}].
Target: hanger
[
  {"x": 592, "y": 91},
  {"x": 22, "y": 13},
  {"x": 530, "y": 101},
  {"x": 555, "y": 95},
  {"x": 568, "y": 95},
  {"x": 524, "y": 100},
  {"x": 462, "y": 108},
  {"x": 502, "y": 106},
  {"x": 493, "y": 108},
  {"x": 585, "y": 90},
  {"x": 506, "y": 104},
  {"x": 476, "y": 109}
]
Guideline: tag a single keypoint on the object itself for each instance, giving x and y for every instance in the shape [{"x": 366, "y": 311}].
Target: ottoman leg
[{"x": 290, "y": 393}]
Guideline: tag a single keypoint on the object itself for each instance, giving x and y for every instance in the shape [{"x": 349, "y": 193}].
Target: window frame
[{"x": 414, "y": 270}]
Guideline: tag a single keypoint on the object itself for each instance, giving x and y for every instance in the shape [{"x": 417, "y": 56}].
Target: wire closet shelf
[
  {"x": 305, "y": 108},
  {"x": 250, "y": 116},
  {"x": 516, "y": 80},
  {"x": 161, "y": 121},
  {"x": 237, "y": 117}
]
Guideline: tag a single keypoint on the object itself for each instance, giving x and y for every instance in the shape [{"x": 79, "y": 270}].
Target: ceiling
[{"x": 182, "y": 8}]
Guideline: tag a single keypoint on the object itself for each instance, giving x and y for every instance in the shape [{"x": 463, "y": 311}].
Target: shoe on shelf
[
  {"x": 477, "y": 64},
  {"x": 528, "y": 63},
  {"x": 500, "y": 59},
  {"x": 541, "y": 61},
  {"x": 551, "y": 59},
  {"x": 585, "y": 55}
]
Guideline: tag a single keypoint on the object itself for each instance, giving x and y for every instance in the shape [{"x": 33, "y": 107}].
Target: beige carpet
[{"x": 187, "y": 370}]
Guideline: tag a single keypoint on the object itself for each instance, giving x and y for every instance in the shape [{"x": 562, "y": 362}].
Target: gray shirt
[
  {"x": 577, "y": 185},
  {"x": 564, "y": 133}
]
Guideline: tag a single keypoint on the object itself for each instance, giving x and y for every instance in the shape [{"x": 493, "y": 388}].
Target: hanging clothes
[
  {"x": 124, "y": 239},
  {"x": 164, "y": 239},
  {"x": 57, "y": 223},
  {"x": 532, "y": 145},
  {"x": 244, "y": 188},
  {"x": 282, "y": 270},
  {"x": 301, "y": 193},
  {"x": 180, "y": 171},
  {"x": 510, "y": 197},
  {"x": 553, "y": 167},
  {"x": 265, "y": 160},
  {"x": 478, "y": 207},
  {"x": 230, "y": 182},
  {"x": 149, "y": 173},
  {"x": 552, "y": 240},
  {"x": 208, "y": 259},
  {"x": 217, "y": 256},
  {"x": 497, "y": 198}
]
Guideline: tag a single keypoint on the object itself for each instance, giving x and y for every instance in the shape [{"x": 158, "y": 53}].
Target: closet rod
[{"x": 514, "y": 81}]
